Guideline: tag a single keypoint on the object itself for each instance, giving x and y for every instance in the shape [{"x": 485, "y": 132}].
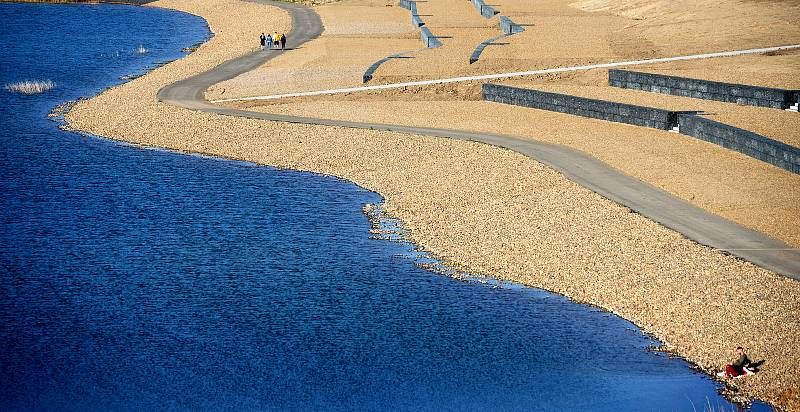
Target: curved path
[{"x": 654, "y": 203}]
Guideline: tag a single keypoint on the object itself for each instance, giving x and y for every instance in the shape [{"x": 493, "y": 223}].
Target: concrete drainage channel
[{"x": 688, "y": 123}]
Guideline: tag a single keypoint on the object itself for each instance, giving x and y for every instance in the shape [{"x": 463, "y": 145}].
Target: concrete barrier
[
  {"x": 374, "y": 66},
  {"x": 410, "y": 5},
  {"x": 509, "y": 27},
  {"x": 425, "y": 35},
  {"x": 485, "y": 10},
  {"x": 703, "y": 89},
  {"x": 754, "y": 145},
  {"x": 476, "y": 54},
  {"x": 428, "y": 38},
  {"x": 579, "y": 106}
]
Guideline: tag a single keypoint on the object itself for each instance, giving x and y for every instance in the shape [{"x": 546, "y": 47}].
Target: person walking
[
  {"x": 283, "y": 41},
  {"x": 269, "y": 41},
  {"x": 263, "y": 41},
  {"x": 277, "y": 40}
]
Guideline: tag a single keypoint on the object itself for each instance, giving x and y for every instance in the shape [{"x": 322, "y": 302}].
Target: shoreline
[
  {"x": 376, "y": 215},
  {"x": 215, "y": 153}
]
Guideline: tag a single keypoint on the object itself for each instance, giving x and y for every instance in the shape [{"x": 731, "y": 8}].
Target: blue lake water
[{"x": 134, "y": 279}]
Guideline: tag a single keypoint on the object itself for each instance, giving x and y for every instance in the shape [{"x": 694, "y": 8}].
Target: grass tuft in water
[{"x": 30, "y": 86}]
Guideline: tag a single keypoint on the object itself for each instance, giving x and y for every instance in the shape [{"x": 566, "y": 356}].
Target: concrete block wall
[
  {"x": 509, "y": 27},
  {"x": 703, "y": 89},
  {"x": 598, "y": 109},
  {"x": 754, "y": 145}
]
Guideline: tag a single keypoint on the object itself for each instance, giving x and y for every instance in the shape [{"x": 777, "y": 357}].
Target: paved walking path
[{"x": 654, "y": 203}]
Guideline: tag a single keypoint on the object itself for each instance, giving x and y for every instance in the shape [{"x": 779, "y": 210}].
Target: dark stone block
[
  {"x": 704, "y": 89},
  {"x": 746, "y": 142},
  {"x": 743, "y": 141}
]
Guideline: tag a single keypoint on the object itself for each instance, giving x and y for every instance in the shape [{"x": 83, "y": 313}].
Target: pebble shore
[{"x": 488, "y": 211}]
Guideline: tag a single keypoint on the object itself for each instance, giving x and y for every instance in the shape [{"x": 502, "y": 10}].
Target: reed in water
[{"x": 30, "y": 86}]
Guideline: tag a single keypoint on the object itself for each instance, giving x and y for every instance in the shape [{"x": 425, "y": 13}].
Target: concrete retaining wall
[
  {"x": 703, "y": 89},
  {"x": 509, "y": 27},
  {"x": 749, "y": 143},
  {"x": 598, "y": 109},
  {"x": 754, "y": 145}
]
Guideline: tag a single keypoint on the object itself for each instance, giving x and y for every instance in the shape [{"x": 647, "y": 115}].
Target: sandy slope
[
  {"x": 491, "y": 211},
  {"x": 357, "y": 34}
]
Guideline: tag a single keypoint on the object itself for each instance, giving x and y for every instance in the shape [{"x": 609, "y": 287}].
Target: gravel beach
[{"x": 497, "y": 213}]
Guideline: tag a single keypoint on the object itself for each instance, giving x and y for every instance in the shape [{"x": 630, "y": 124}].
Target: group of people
[{"x": 270, "y": 40}]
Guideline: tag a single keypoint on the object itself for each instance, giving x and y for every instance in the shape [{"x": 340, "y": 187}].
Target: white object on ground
[{"x": 513, "y": 74}]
